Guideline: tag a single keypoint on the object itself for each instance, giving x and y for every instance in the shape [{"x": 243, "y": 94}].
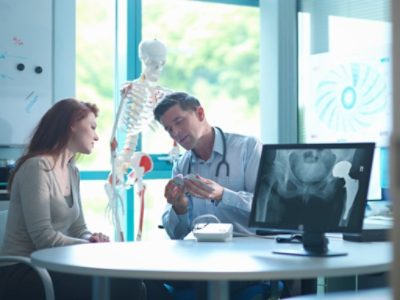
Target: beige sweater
[{"x": 39, "y": 216}]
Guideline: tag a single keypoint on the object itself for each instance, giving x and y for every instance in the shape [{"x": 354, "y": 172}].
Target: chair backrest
[
  {"x": 43, "y": 273},
  {"x": 3, "y": 222}
]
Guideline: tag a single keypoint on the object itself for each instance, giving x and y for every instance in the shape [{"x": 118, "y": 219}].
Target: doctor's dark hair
[
  {"x": 184, "y": 100},
  {"x": 53, "y": 132}
]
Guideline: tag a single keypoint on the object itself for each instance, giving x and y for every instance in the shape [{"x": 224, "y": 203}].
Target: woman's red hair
[{"x": 51, "y": 135}]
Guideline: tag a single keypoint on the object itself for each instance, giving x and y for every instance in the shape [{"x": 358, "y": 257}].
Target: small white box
[{"x": 213, "y": 232}]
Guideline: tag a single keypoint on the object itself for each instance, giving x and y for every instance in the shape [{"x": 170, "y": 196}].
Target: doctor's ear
[{"x": 200, "y": 113}]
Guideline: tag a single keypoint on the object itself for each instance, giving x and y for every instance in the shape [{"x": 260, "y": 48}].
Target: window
[
  {"x": 95, "y": 35},
  {"x": 213, "y": 53},
  {"x": 95, "y": 32},
  {"x": 344, "y": 77}
]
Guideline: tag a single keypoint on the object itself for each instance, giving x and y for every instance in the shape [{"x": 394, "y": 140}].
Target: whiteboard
[{"x": 25, "y": 67}]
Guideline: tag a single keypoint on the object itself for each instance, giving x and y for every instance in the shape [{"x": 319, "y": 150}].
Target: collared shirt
[{"x": 243, "y": 156}]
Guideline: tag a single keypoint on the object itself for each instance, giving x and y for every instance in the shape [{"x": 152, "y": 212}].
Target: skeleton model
[{"x": 134, "y": 115}]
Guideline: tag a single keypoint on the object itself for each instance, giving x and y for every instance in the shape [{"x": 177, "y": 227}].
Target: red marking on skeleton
[{"x": 146, "y": 163}]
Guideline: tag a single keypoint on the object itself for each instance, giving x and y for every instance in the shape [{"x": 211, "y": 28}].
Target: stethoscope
[{"x": 223, "y": 160}]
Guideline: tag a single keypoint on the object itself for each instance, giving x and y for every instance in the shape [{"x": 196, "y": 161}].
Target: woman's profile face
[{"x": 83, "y": 134}]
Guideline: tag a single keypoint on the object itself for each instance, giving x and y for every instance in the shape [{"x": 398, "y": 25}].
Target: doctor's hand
[
  {"x": 175, "y": 195},
  {"x": 203, "y": 188}
]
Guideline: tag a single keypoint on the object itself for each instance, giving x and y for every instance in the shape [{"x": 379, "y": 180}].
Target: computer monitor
[{"x": 312, "y": 189}]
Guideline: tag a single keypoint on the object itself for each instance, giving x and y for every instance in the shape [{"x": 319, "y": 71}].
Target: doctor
[{"x": 224, "y": 166}]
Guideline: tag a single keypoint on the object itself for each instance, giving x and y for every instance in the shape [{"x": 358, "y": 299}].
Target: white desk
[
  {"x": 373, "y": 294},
  {"x": 241, "y": 259}
]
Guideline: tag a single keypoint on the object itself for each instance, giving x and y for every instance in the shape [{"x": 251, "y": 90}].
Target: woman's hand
[{"x": 98, "y": 237}]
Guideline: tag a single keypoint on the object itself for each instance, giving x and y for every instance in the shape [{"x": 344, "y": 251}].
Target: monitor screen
[{"x": 313, "y": 188}]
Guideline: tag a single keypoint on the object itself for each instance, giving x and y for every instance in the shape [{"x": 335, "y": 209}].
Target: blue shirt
[{"x": 243, "y": 156}]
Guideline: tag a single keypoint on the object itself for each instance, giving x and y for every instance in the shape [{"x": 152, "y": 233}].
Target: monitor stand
[{"x": 314, "y": 244}]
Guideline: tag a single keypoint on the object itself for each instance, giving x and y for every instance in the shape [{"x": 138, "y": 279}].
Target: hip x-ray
[{"x": 316, "y": 186}]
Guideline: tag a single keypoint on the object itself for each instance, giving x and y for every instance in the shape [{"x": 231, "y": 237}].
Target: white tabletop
[
  {"x": 369, "y": 294},
  {"x": 241, "y": 259}
]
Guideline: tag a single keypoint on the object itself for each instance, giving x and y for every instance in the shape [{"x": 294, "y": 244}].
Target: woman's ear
[{"x": 73, "y": 127}]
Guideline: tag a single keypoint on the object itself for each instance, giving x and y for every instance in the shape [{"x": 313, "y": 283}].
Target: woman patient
[{"x": 45, "y": 205}]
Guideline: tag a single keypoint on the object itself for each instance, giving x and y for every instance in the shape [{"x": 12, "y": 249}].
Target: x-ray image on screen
[{"x": 318, "y": 188}]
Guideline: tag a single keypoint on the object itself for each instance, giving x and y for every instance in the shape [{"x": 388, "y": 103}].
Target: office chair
[{"x": 43, "y": 274}]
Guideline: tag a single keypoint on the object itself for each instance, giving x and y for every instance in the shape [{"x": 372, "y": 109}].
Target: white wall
[{"x": 63, "y": 58}]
